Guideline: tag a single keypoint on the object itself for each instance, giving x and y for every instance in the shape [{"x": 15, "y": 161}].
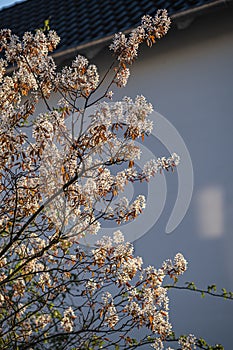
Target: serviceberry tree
[{"x": 59, "y": 173}]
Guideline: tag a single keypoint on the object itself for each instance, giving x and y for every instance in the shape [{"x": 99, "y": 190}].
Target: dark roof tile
[{"x": 82, "y": 21}]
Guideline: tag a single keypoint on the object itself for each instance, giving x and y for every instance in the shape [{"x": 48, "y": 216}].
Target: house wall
[{"x": 188, "y": 77}]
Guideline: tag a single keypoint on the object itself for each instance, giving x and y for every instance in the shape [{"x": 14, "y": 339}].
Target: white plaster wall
[{"x": 188, "y": 77}]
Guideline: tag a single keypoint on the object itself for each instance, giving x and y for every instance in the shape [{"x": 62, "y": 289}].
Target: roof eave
[{"x": 178, "y": 18}]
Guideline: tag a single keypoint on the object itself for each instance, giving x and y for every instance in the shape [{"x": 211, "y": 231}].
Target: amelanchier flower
[{"x": 61, "y": 171}]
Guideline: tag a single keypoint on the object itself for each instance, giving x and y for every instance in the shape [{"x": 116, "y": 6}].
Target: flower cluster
[
  {"x": 188, "y": 342},
  {"x": 177, "y": 267},
  {"x": 36, "y": 70},
  {"x": 153, "y": 166},
  {"x": 146, "y": 300},
  {"x": 67, "y": 321},
  {"x": 43, "y": 320},
  {"x": 80, "y": 77},
  {"x": 111, "y": 317},
  {"x": 126, "y": 49},
  {"x": 150, "y": 29}
]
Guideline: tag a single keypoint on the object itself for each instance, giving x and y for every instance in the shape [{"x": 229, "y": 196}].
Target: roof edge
[
  {"x": 202, "y": 8},
  {"x": 176, "y": 17}
]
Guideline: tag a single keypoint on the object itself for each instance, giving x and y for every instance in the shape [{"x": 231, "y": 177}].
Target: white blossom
[
  {"x": 67, "y": 321},
  {"x": 118, "y": 237},
  {"x": 158, "y": 344},
  {"x": 188, "y": 342},
  {"x": 122, "y": 77},
  {"x": 91, "y": 285}
]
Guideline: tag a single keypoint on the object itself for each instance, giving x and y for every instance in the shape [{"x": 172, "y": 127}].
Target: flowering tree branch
[
  {"x": 211, "y": 290},
  {"x": 61, "y": 172}
]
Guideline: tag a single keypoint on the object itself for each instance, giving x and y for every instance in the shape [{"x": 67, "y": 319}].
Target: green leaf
[
  {"x": 57, "y": 314},
  {"x": 46, "y": 24},
  {"x": 212, "y": 288},
  {"x": 191, "y": 285}
]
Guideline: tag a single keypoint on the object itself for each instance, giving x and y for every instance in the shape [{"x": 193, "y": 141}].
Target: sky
[{"x": 4, "y": 3}]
